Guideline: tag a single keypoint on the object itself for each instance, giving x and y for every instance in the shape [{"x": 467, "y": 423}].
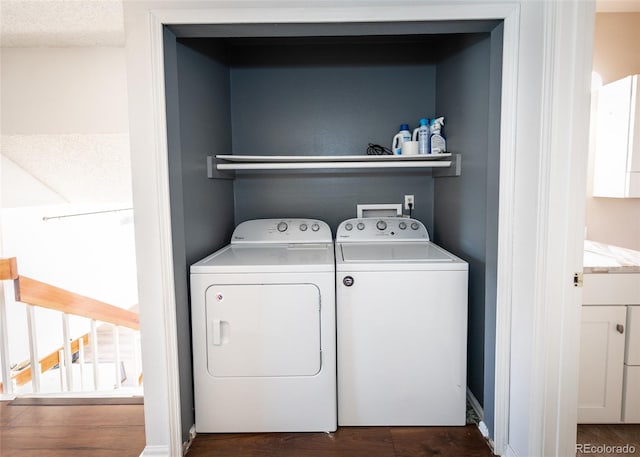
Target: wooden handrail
[
  {"x": 38, "y": 293},
  {"x": 8, "y": 268},
  {"x": 48, "y": 362}
]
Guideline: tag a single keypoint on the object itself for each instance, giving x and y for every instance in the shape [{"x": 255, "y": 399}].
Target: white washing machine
[
  {"x": 401, "y": 324},
  {"x": 263, "y": 330}
]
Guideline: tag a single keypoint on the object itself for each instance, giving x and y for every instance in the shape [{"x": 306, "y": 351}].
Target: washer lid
[
  {"x": 394, "y": 252},
  {"x": 242, "y": 258}
]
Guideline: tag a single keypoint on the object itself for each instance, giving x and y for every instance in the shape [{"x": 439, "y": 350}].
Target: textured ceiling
[{"x": 51, "y": 23}]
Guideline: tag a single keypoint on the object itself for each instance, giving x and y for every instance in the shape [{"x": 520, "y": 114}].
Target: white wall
[
  {"x": 614, "y": 220},
  {"x": 65, "y": 122},
  {"x": 64, "y": 150}
]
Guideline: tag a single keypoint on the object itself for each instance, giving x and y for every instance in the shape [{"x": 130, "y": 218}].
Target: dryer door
[{"x": 258, "y": 330}]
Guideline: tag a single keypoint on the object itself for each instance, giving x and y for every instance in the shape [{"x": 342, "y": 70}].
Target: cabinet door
[
  {"x": 617, "y": 140},
  {"x": 631, "y": 407},
  {"x": 633, "y": 336},
  {"x": 601, "y": 364}
]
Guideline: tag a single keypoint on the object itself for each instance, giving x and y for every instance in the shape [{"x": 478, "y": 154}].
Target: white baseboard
[
  {"x": 509, "y": 452},
  {"x": 156, "y": 451}
]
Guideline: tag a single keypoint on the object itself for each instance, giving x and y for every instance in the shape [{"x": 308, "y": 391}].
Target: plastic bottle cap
[
  {"x": 424, "y": 121},
  {"x": 404, "y": 127}
]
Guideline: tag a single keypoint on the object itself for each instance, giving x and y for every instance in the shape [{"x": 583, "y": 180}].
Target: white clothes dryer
[
  {"x": 263, "y": 330},
  {"x": 401, "y": 325}
]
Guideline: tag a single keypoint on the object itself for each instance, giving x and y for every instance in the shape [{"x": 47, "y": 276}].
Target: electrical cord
[
  {"x": 410, "y": 209},
  {"x": 376, "y": 149}
]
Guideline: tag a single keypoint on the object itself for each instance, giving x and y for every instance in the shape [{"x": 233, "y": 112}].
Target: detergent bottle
[
  {"x": 403, "y": 135},
  {"x": 437, "y": 141},
  {"x": 421, "y": 135}
]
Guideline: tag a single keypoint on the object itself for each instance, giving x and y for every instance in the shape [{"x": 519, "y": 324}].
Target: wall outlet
[{"x": 408, "y": 200}]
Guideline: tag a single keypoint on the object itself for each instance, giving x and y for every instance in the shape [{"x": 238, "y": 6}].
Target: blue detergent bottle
[
  {"x": 403, "y": 135},
  {"x": 421, "y": 135}
]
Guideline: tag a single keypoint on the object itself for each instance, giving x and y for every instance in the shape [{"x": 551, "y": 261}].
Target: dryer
[
  {"x": 263, "y": 330},
  {"x": 401, "y": 325}
]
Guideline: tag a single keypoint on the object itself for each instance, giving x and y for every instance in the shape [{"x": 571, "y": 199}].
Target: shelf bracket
[
  {"x": 454, "y": 170},
  {"x": 214, "y": 173}
]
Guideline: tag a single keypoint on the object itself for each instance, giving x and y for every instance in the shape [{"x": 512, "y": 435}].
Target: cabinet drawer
[
  {"x": 633, "y": 336},
  {"x": 631, "y": 395}
]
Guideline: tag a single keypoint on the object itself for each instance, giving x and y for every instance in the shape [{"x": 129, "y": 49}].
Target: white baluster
[
  {"x": 116, "y": 354},
  {"x": 61, "y": 370},
  {"x": 4, "y": 341},
  {"x": 33, "y": 349},
  {"x": 81, "y": 361},
  {"x": 94, "y": 353},
  {"x": 68, "y": 361}
]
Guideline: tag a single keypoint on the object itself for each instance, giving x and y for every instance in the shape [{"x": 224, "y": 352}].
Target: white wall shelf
[{"x": 222, "y": 166}]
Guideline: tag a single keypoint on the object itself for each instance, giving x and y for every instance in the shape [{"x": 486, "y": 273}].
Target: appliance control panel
[
  {"x": 381, "y": 229},
  {"x": 282, "y": 231}
]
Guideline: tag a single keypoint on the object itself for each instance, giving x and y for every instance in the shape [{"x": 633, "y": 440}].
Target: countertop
[{"x": 605, "y": 258}]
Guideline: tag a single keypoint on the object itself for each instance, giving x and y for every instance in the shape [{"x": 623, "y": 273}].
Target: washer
[
  {"x": 263, "y": 324},
  {"x": 401, "y": 324}
]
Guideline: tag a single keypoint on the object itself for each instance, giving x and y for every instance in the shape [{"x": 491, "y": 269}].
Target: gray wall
[
  {"x": 201, "y": 209},
  {"x": 327, "y": 100},
  {"x": 266, "y": 98},
  {"x": 466, "y": 208}
]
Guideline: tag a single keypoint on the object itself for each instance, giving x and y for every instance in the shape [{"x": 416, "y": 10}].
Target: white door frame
[{"x": 556, "y": 256}]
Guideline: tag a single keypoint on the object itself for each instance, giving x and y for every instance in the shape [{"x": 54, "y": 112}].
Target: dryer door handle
[{"x": 216, "y": 332}]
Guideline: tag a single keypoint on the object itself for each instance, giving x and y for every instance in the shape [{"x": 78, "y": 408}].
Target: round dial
[
  {"x": 303, "y": 227},
  {"x": 348, "y": 227},
  {"x": 282, "y": 226},
  {"x": 414, "y": 226},
  {"x": 360, "y": 226},
  {"x": 315, "y": 227},
  {"x": 381, "y": 225},
  {"x": 402, "y": 225}
]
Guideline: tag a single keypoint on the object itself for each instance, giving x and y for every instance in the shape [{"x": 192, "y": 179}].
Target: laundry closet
[{"x": 331, "y": 89}]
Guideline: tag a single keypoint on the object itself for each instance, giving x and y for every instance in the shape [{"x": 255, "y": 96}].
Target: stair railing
[{"x": 34, "y": 294}]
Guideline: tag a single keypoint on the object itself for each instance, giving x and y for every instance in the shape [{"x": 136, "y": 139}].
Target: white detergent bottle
[
  {"x": 437, "y": 141},
  {"x": 421, "y": 135},
  {"x": 403, "y": 135}
]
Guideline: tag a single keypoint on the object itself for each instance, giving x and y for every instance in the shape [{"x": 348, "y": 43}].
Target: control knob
[
  {"x": 282, "y": 226},
  {"x": 303, "y": 227},
  {"x": 360, "y": 225},
  {"x": 381, "y": 225},
  {"x": 315, "y": 227},
  {"x": 348, "y": 227},
  {"x": 402, "y": 225},
  {"x": 414, "y": 226}
]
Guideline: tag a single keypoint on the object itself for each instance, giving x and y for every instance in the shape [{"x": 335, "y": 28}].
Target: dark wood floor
[
  {"x": 611, "y": 435},
  {"x": 348, "y": 442},
  {"x": 71, "y": 429},
  {"x": 83, "y": 428}
]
